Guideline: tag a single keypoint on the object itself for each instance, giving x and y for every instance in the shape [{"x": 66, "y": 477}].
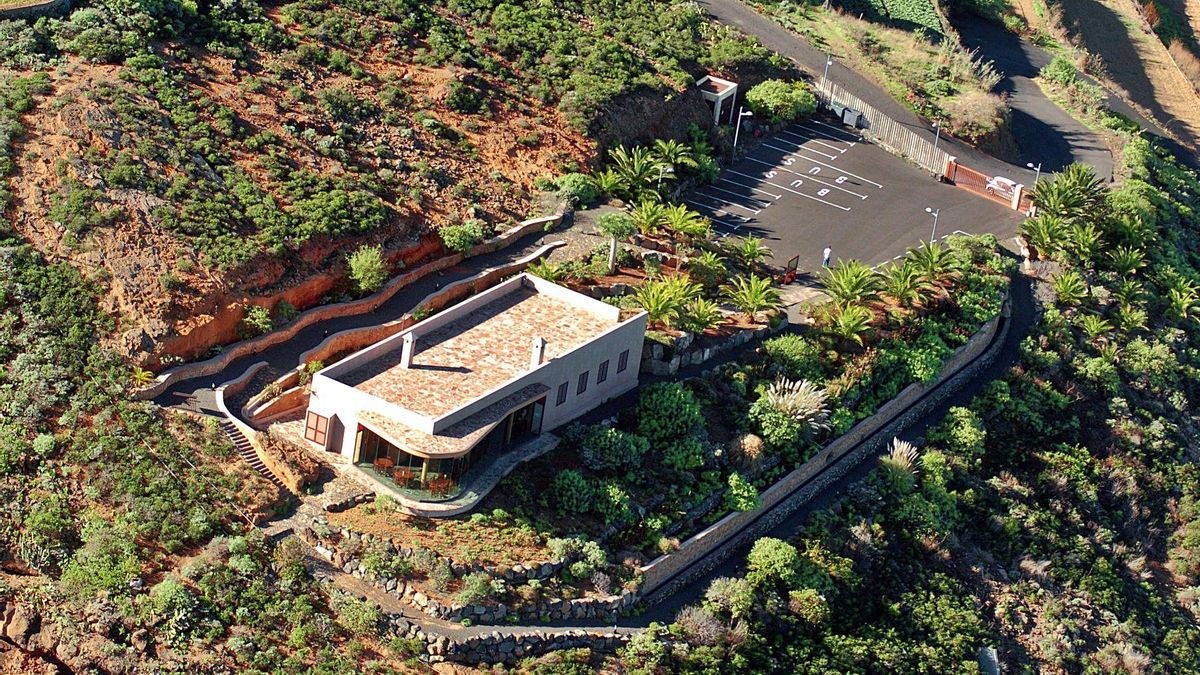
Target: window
[
  {"x": 623, "y": 361},
  {"x": 562, "y": 394},
  {"x": 602, "y": 372},
  {"x": 583, "y": 378},
  {"x": 316, "y": 428}
]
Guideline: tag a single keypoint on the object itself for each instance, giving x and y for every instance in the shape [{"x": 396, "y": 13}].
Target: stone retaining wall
[
  {"x": 36, "y": 9},
  {"x": 667, "y": 574},
  {"x": 318, "y": 314},
  {"x": 356, "y": 338},
  {"x": 655, "y": 360},
  {"x": 344, "y": 548}
]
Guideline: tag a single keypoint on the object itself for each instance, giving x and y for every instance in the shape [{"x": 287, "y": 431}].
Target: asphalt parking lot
[{"x": 818, "y": 184}]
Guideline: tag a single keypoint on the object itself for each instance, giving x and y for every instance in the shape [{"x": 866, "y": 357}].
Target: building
[{"x": 460, "y": 389}]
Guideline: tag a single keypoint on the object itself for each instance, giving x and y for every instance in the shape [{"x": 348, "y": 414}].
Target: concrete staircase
[{"x": 246, "y": 450}]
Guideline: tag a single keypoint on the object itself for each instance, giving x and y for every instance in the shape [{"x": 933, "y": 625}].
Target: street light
[
  {"x": 664, "y": 169},
  {"x": 738, "y": 128},
  {"x": 937, "y": 136},
  {"x": 828, "y": 62},
  {"x": 933, "y": 212},
  {"x": 1037, "y": 169}
]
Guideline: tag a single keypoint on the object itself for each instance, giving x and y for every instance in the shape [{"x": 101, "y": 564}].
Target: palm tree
[
  {"x": 660, "y": 302},
  {"x": 702, "y": 314},
  {"x": 849, "y": 322},
  {"x": 1129, "y": 292},
  {"x": 1059, "y": 199},
  {"x": 1084, "y": 241},
  {"x": 903, "y": 282},
  {"x": 682, "y": 287},
  {"x": 1044, "y": 232},
  {"x": 140, "y": 377},
  {"x": 749, "y": 250},
  {"x": 1183, "y": 302},
  {"x": 708, "y": 268},
  {"x": 1070, "y": 287},
  {"x": 547, "y": 270},
  {"x": 610, "y": 182},
  {"x": 615, "y": 226},
  {"x": 686, "y": 224},
  {"x": 935, "y": 262},
  {"x": 1093, "y": 326},
  {"x": 751, "y": 294},
  {"x": 1131, "y": 319},
  {"x": 1126, "y": 260},
  {"x": 673, "y": 153},
  {"x": 1083, "y": 180},
  {"x": 638, "y": 170},
  {"x": 851, "y": 282},
  {"x": 649, "y": 216}
]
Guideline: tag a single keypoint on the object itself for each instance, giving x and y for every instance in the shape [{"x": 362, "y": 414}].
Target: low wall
[
  {"x": 234, "y": 387},
  {"x": 318, "y": 314},
  {"x": 287, "y": 402},
  {"x": 668, "y": 573},
  {"x": 357, "y": 338},
  {"x": 35, "y": 9}
]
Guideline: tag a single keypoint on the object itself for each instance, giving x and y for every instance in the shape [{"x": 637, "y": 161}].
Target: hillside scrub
[
  {"x": 1057, "y": 508},
  {"x": 936, "y": 78}
]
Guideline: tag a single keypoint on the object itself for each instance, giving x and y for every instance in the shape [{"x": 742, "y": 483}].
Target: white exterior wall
[{"x": 340, "y": 403}]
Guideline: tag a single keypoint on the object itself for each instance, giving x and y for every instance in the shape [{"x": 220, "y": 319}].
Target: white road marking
[
  {"x": 813, "y": 140},
  {"x": 806, "y": 177},
  {"x": 762, "y": 204},
  {"x": 802, "y": 146},
  {"x": 726, "y": 201},
  {"x": 749, "y": 187},
  {"x": 807, "y": 196},
  {"x": 731, "y": 225},
  {"x": 796, "y": 192},
  {"x": 814, "y": 161}
]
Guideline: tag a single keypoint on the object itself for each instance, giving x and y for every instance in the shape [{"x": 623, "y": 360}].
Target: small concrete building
[{"x": 429, "y": 407}]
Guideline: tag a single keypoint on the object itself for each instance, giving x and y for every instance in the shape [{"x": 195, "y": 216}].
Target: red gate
[{"x": 967, "y": 178}]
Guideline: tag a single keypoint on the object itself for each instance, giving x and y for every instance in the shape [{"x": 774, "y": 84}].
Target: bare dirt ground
[{"x": 1136, "y": 61}]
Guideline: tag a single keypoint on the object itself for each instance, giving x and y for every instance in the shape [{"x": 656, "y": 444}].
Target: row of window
[{"x": 601, "y": 375}]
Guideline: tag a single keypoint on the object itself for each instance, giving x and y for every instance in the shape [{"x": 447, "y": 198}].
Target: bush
[
  {"x": 476, "y": 588},
  {"x": 462, "y": 237},
  {"x": 667, "y": 412},
  {"x": 684, "y": 454},
  {"x": 742, "y": 495},
  {"x": 368, "y": 270},
  {"x": 780, "y": 101},
  {"x": 570, "y": 492},
  {"x": 358, "y": 617},
  {"x": 613, "y": 502},
  {"x": 577, "y": 189},
  {"x": 610, "y": 450},
  {"x": 1060, "y": 71},
  {"x": 798, "y": 357},
  {"x": 256, "y": 321},
  {"x": 771, "y": 559}
]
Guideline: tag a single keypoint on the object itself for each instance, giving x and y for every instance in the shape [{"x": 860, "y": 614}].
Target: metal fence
[{"x": 883, "y": 130}]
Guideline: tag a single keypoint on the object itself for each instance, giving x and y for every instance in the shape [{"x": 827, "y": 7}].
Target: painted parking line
[
  {"x": 814, "y": 161},
  {"x": 856, "y": 136},
  {"x": 748, "y": 187},
  {"x": 807, "y": 176},
  {"x": 810, "y": 139},
  {"x": 730, "y": 220},
  {"x": 805, "y": 147},
  {"x": 826, "y": 134},
  {"x": 820, "y": 193},
  {"x": 726, "y": 201},
  {"x": 761, "y": 203}
]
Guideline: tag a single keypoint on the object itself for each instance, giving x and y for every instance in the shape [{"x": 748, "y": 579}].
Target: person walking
[{"x": 825, "y": 256}]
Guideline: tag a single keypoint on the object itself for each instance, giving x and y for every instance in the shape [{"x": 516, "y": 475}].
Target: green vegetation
[
  {"x": 368, "y": 269},
  {"x": 779, "y": 101},
  {"x": 1064, "y": 483}
]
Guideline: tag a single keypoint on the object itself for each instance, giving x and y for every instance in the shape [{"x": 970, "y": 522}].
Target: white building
[{"x": 461, "y": 388}]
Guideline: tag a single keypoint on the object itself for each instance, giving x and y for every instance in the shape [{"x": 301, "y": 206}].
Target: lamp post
[
  {"x": 933, "y": 212},
  {"x": 828, "y": 62},
  {"x": 937, "y": 136},
  {"x": 738, "y": 129},
  {"x": 663, "y": 169},
  {"x": 1037, "y": 171}
]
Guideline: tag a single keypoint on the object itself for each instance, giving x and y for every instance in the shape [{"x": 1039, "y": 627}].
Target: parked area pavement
[{"x": 818, "y": 183}]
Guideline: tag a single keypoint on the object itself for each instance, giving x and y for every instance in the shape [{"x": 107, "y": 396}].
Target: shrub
[
  {"x": 684, "y": 454},
  {"x": 798, "y": 357},
  {"x": 730, "y": 595},
  {"x": 476, "y": 588},
  {"x": 368, "y": 270},
  {"x": 463, "y": 236},
  {"x": 742, "y": 495},
  {"x": 464, "y": 98},
  {"x": 610, "y": 450},
  {"x": 1060, "y": 71},
  {"x": 358, "y": 617},
  {"x": 577, "y": 189},
  {"x": 256, "y": 321},
  {"x": 780, "y": 101},
  {"x": 571, "y": 492},
  {"x": 773, "y": 560},
  {"x": 809, "y": 606},
  {"x": 667, "y": 412},
  {"x": 613, "y": 502}
]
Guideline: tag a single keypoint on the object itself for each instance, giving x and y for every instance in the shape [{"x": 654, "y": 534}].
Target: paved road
[
  {"x": 789, "y": 44},
  {"x": 1044, "y": 132},
  {"x": 196, "y": 394}
]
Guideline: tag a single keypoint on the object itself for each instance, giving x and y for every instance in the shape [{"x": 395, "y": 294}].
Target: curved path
[{"x": 197, "y": 394}]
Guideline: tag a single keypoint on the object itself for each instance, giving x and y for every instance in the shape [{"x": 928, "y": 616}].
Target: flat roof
[{"x": 460, "y": 361}]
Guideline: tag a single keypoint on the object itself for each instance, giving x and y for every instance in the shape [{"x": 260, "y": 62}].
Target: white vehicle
[{"x": 1001, "y": 187}]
